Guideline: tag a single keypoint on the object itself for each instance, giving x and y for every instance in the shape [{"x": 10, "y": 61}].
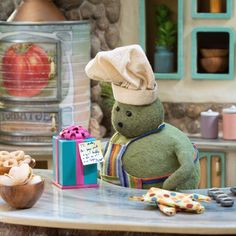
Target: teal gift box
[{"x": 68, "y": 169}]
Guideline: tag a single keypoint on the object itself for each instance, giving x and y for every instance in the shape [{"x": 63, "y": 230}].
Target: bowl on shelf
[
  {"x": 22, "y": 196},
  {"x": 214, "y": 52},
  {"x": 214, "y": 64}
]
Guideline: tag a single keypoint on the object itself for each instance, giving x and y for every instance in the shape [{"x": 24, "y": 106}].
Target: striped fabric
[
  {"x": 113, "y": 171},
  {"x": 196, "y": 153},
  {"x": 133, "y": 182},
  {"x": 112, "y": 159}
]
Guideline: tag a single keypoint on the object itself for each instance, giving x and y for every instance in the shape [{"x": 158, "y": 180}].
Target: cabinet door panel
[
  {"x": 203, "y": 166},
  {"x": 215, "y": 171}
]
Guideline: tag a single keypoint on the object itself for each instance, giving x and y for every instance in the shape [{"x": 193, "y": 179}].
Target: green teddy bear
[
  {"x": 144, "y": 152},
  {"x": 157, "y": 154}
]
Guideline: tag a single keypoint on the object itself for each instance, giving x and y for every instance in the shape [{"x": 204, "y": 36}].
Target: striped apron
[{"x": 113, "y": 170}]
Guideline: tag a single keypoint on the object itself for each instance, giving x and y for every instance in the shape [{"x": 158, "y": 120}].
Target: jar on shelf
[
  {"x": 216, "y": 6},
  {"x": 229, "y": 123},
  {"x": 209, "y": 124}
]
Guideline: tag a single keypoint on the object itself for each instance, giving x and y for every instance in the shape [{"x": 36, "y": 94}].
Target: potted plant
[{"x": 166, "y": 39}]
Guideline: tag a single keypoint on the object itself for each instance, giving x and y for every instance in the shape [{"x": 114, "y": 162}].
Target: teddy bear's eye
[
  {"x": 129, "y": 113},
  {"x": 117, "y": 108}
]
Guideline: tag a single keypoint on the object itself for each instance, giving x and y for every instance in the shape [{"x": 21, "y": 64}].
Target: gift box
[{"x": 75, "y": 157}]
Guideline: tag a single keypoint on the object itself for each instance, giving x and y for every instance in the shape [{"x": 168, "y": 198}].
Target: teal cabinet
[
  {"x": 204, "y": 9},
  {"x": 147, "y": 29},
  {"x": 218, "y": 64},
  {"x": 212, "y": 169}
]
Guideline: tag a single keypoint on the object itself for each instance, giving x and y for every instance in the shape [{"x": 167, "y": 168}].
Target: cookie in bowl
[{"x": 15, "y": 158}]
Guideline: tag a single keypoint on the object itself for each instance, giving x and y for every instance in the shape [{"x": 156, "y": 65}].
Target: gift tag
[{"x": 90, "y": 152}]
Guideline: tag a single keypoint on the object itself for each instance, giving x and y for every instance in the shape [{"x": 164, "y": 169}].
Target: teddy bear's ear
[{"x": 130, "y": 73}]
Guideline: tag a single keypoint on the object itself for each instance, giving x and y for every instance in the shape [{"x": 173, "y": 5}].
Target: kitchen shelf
[
  {"x": 202, "y": 9},
  {"x": 212, "y": 38}
]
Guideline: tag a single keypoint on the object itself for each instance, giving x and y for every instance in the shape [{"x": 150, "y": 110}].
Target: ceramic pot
[
  {"x": 37, "y": 10},
  {"x": 229, "y": 123},
  {"x": 214, "y": 64},
  {"x": 209, "y": 124},
  {"x": 214, "y": 52},
  {"x": 215, "y": 6},
  {"x": 163, "y": 60}
]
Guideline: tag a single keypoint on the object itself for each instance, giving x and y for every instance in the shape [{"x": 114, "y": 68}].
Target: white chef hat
[{"x": 129, "y": 71}]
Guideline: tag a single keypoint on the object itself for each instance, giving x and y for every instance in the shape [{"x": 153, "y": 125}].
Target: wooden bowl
[
  {"x": 5, "y": 170},
  {"x": 214, "y": 52},
  {"x": 214, "y": 64},
  {"x": 22, "y": 196}
]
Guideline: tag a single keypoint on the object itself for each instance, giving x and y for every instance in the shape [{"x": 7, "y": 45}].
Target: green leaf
[{"x": 166, "y": 28}]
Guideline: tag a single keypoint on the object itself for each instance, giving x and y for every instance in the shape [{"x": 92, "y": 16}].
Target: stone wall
[
  {"x": 186, "y": 116},
  {"x": 7, "y": 7},
  {"x": 103, "y": 15}
]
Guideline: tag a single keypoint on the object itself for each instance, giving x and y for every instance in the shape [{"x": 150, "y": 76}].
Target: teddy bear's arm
[{"x": 184, "y": 173}]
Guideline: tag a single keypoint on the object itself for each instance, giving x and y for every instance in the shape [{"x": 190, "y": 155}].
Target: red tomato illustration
[{"x": 25, "y": 69}]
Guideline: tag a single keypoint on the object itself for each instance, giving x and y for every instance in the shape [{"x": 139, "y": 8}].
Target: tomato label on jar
[{"x": 27, "y": 68}]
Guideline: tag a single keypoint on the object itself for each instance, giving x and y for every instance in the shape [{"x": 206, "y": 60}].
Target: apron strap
[{"x": 160, "y": 127}]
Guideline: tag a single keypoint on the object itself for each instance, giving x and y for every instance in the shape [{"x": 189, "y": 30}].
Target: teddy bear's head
[{"x": 132, "y": 121}]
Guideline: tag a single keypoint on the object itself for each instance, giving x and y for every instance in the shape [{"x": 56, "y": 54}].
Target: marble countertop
[{"x": 108, "y": 208}]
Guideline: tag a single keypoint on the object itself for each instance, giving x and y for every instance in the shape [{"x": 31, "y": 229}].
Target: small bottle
[{"x": 209, "y": 124}]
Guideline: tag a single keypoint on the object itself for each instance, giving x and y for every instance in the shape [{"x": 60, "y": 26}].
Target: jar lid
[
  {"x": 209, "y": 113},
  {"x": 231, "y": 109}
]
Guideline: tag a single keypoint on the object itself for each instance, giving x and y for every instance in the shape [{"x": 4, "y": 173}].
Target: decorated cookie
[
  {"x": 19, "y": 175},
  {"x": 13, "y": 159}
]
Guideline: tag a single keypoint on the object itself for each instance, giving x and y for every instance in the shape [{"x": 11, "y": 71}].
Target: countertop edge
[{"x": 217, "y": 230}]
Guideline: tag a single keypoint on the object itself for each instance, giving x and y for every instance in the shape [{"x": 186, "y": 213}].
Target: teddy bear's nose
[{"x": 120, "y": 124}]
